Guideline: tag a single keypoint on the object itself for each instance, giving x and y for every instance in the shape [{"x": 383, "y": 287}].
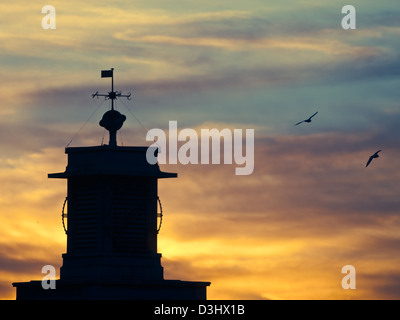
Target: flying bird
[
  {"x": 375, "y": 155},
  {"x": 307, "y": 120}
]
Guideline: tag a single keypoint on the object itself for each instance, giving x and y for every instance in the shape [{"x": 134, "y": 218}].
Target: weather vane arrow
[{"x": 112, "y": 95}]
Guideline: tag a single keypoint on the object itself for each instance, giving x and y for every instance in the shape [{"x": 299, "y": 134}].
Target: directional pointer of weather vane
[
  {"x": 112, "y": 120},
  {"x": 112, "y": 95}
]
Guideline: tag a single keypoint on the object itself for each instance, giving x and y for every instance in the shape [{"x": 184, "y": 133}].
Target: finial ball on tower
[{"x": 112, "y": 120}]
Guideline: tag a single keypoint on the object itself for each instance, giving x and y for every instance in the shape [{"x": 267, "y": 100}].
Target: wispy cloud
[{"x": 283, "y": 232}]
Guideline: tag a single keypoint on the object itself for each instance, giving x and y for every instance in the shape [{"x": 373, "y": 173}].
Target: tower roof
[{"x": 106, "y": 160}]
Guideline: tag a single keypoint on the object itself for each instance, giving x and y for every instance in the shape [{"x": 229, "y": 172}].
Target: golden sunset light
[{"x": 282, "y": 231}]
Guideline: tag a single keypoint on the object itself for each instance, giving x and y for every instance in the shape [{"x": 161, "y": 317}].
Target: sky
[{"x": 310, "y": 206}]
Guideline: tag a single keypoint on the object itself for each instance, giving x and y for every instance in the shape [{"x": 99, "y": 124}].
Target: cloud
[
  {"x": 310, "y": 206},
  {"x": 386, "y": 286},
  {"x": 23, "y": 261}
]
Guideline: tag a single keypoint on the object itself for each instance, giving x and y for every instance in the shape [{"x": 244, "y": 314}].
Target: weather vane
[
  {"x": 112, "y": 94},
  {"x": 112, "y": 120}
]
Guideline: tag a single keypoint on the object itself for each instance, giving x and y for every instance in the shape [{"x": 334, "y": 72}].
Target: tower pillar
[{"x": 112, "y": 194}]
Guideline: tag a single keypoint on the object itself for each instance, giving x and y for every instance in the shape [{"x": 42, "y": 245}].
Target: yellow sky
[{"x": 284, "y": 232}]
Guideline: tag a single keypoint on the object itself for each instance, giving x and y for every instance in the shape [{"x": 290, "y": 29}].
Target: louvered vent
[
  {"x": 85, "y": 224},
  {"x": 129, "y": 219}
]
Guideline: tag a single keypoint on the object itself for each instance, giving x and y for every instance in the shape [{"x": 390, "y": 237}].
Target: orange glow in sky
[{"x": 284, "y": 232}]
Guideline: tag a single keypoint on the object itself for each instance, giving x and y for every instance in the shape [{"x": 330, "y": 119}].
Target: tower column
[{"x": 112, "y": 225}]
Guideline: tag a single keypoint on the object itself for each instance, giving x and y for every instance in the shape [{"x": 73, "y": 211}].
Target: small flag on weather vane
[{"x": 107, "y": 73}]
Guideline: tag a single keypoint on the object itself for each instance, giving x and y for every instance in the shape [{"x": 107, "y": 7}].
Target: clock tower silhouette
[{"x": 111, "y": 225}]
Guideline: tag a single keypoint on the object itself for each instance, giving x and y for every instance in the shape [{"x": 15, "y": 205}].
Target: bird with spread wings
[
  {"x": 375, "y": 155},
  {"x": 307, "y": 120}
]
